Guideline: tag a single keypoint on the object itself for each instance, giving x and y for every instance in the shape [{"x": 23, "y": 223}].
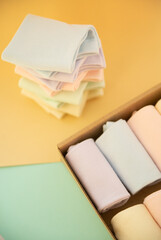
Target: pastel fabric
[
  {"x": 63, "y": 97},
  {"x": 96, "y": 175},
  {"x": 44, "y": 104},
  {"x": 95, "y": 85},
  {"x": 93, "y": 62},
  {"x": 95, "y": 93},
  {"x": 74, "y": 110},
  {"x": 43, "y": 202},
  {"x": 135, "y": 223},
  {"x": 60, "y": 46},
  {"x": 53, "y": 87},
  {"x": 127, "y": 156},
  {"x": 56, "y": 61},
  {"x": 47, "y": 85},
  {"x": 153, "y": 204},
  {"x": 146, "y": 124},
  {"x": 158, "y": 106},
  {"x": 74, "y": 98}
]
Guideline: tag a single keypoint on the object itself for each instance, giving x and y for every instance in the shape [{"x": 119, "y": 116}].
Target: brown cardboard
[{"x": 94, "y": 130}]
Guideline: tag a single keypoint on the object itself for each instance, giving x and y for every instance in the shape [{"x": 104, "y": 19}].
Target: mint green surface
[{"x": 43, "y": 202}]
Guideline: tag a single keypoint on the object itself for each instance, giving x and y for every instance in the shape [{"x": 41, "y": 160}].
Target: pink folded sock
[
  {"x": 153, "y": 204},
  {"x": 97, "y": 176},
  {"x": 146, "y": 124}
]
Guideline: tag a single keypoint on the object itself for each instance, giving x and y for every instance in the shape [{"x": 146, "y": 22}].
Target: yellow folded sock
[
  {"x": 46, "y": 107},
  {"x": 95, "y": 93},
  {"x": 158, "y": 106},
  {"x": 74, "y": 110},
  {"x": 135, "y": 223}
]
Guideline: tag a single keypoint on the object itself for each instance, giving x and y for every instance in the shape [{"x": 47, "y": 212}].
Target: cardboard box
[{"x": 95, "y": 130}]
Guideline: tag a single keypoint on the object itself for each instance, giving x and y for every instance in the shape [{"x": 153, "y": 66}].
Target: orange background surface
[{"x": 130, "y": 31}]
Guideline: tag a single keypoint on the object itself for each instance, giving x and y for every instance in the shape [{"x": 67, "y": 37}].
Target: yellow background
[{"x": 130, "y": 31}]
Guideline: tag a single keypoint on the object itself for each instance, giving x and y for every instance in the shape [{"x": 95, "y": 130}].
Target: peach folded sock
[
  {"x": 153, "y": 204},
  {"x": 47, "y": 85},
  {"x": 95, "y": 75},
  {"x": 127, "y": 156},
  {"x": 96, "y": 175},
  {"x": 158, "y": 106},
  {"x": 88, "y": 76},
  {"x": 146, "y": 124},
  {"x": 53, "y": 87},
  {"x": 135, "y": 223}
]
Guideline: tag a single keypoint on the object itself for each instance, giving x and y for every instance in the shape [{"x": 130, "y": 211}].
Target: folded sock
[
  {"x": 63, "y": 97},
  {"x": 127, "y": 156},
  {"x": 146, "y": 124},
  {"x": 47, "y": 85},
  {"x": 95, "y": 93},
  {"x": 95, "y": 75},
  {"x": 96, "y": 175},
  {"x": 135, "y": 223},
  {"x": 158, "y": 106},
  {"x": 49, "y": 45},
  {"x": 84, "y": 64},
  {"x": 89, "y": 76},
  {"x": 95, "y": 85},
  {"x": 53, "y": 87},
  {"x": 58, "y": 76},
  {"x": 74, "y": 110},
  {"x": 48, "y": 108},
  {"x": 153, "y": 204}
]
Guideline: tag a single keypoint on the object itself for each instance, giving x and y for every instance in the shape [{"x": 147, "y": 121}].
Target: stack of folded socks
[{"x": 62, "y": 65}]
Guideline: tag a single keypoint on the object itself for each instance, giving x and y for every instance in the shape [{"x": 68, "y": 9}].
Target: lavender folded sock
[{"x": 96, "y": 175}]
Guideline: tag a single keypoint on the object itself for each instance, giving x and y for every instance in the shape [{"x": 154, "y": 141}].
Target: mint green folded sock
[{"x": 62, "y": 97}]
